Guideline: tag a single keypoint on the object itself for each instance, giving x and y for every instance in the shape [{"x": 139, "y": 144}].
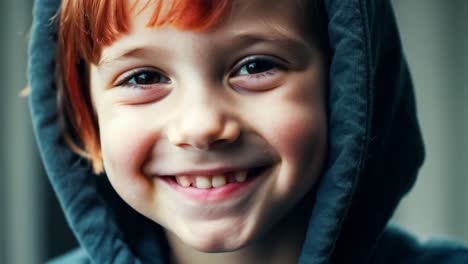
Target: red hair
[{"x": 85, "y": 27}]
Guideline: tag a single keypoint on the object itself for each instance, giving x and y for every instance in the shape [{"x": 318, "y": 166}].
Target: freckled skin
[{"x": 202, "y": 105}]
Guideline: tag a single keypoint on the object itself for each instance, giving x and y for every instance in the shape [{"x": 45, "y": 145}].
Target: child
[{"x": 229, "y": 131}]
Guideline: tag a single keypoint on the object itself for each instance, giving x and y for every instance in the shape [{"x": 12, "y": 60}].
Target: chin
[
  {"x": 215, "y": 247},
  {"x": 218, "y": 244},
  {"x": 215, "y": 242}
]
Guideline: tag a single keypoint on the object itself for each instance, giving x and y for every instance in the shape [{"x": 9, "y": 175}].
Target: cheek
[
  {"x": 302, "y": 144},
  {"x": 297, "y": 128},
  {"x": 301, "y": 137},
  {"x": 125, "y": 146},
  {"x": 301, "y": 116},
  {"x": 298, "y": 131}
]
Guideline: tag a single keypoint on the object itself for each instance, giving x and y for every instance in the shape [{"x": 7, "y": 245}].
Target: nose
[{"x": 203, "y": 126}]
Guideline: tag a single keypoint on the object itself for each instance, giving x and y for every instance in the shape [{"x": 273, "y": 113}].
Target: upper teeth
[
  {"x": 184, "y": 181},
  {"x": 218, "y": 180},
  {"x": 206, "y": 182},
  {"x": 240, "y": 177}
]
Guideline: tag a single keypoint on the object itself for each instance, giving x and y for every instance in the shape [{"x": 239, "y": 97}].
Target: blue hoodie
[{"x": 375, "y": 152}]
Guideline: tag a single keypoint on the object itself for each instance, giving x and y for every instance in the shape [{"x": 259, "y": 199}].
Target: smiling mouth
[{"x": 217, "y": 180}]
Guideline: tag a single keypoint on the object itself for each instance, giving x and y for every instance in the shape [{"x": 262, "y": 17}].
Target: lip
[
  {"x": 214, "y": 195},
  {"x": 208, "y": 172},
  {"x": 215, "y": 168}
]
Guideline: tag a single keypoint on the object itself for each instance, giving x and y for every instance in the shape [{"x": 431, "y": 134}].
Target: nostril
[
  {"x": 220, "y": 142},
  {"x": 204, "y": 136},
  {"x": 183, "y": 145}
]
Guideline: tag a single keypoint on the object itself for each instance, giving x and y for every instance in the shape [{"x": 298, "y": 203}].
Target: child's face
[{"x": 248, "y": 93}]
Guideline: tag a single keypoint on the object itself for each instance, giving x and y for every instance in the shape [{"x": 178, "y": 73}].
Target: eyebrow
[
  {"x": 294, "y": 45},
  {"x": 238, "y": 40},
  {"x": 122, "y": 54},
  {"x": 245, "y": 39}
]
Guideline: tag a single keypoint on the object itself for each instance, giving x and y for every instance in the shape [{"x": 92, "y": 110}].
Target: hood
[{"x": 375, "y": 145}]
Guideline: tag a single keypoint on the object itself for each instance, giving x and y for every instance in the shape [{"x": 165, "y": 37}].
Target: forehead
[
  {"x": 237, "y": 15},
  {"x": 243, "y": 20},
  {"x": 279, "y": 14}
]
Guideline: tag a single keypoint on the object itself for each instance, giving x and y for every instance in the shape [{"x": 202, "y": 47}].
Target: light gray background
[{"x": 435, "y": 39}]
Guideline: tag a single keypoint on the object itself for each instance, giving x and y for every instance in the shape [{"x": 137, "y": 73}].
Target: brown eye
[
  {"x": 142, "y": 85},
  {"x": 256, "y": 67},
  {"x": 258, "y": 73},
  {"x": 147, "y": 78}
]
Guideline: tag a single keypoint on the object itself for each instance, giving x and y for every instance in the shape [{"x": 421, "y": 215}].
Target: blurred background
[{"x": 435, "y": 39}]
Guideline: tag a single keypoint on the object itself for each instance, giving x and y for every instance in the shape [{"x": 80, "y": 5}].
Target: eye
[
  {"x": 256, "y": 67},
  {"x": 258, "y": 73},
  {"x": 142, "y": 85},
  {"x": 143, "y": 78}
]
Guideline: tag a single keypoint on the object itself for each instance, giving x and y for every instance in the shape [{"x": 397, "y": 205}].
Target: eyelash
[
  {"x": 125, "y": 79},
  {"x": 274, "y": 64}
]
